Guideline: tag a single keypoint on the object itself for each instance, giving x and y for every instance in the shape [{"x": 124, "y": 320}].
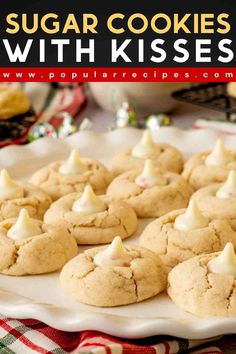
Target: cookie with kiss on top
[
  {"x": 29, "y": 246},
  {"x": 219, "y": 200},
  {"x": 185, "y": 233},
  {"x": 114, "y": 275},
  {"x": 15, "y": 195},
  {"x": 92, "y": 219},
  {"x": 206, "y": 285},
  {"x": 63, "y": 177},
  {"x": 151, "y": 192},
  {"x": 210, "y": 167},
  {"x": 163, "y": 156}
]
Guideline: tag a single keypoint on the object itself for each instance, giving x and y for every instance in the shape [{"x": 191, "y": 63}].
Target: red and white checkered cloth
[{"x": 31, "y": 336}]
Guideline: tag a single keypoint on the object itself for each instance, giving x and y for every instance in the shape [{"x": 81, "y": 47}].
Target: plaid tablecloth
[{"x": 31, "y": 336}]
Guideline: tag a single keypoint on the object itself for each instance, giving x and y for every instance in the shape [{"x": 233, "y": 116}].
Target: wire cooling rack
[{"x": 211, "y": 95}]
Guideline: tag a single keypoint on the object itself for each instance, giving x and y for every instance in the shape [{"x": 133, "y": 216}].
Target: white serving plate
[{"x": 40, "y": 297}]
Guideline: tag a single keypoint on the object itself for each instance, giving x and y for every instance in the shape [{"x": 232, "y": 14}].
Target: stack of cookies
[{"x": 187, "y": 250}]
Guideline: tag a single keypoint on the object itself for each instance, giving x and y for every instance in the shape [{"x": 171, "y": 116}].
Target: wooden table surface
[{"x": 183, "y": 117}]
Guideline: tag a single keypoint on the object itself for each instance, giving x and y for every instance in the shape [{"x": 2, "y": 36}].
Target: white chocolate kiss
[
  {"x": 225, "y": 263},
  {"x": 150, "y": 176},
  {"x": 192, "y": 218},
  {"x": 114, "y": 255},
  {"x": 9, "y": 189},
  {"x": 74, "y": 164},
  {"x": 146, "y": 147},
  {"x": 228, "y": 189},
  {"x": 89, "y": 203},
  {"x": 220, "y": 155},
  {"x": 24, "y": 227}
]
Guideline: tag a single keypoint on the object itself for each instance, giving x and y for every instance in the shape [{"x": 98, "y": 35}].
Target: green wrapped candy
[
  {"x": 125, "y": 117},
  {"x": 155, "y": 121},
  {"x": 67, "y": 127},
  {"x": 41, "y": 130}
]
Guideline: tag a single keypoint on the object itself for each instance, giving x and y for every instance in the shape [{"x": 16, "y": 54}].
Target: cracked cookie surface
[
  {"x": 96, "y": 228},
  {"x": 213, "y": 207},
  {"x": 196, "y": 290},
  {"x": 57, "y": 185},
  {"x": 175, "y": 246},
  {"x": 199, "y": 175},
  {"x": 154, "y": 201},
  {"x": 114, "y": 286},
  {"x": 170, "y": 159},
  {"x": 35, "y": 200},
  {"x": 39, "y": 254}
]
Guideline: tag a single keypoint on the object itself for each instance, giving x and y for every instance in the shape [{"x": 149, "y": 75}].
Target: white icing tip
[
  {"x": 220, "y": 155},
  {"x": 4, "y": 175},
  {"x": 192, "y": 218},
  {"x": 114, "y": 255},
  {"x": 89, "y": 203},
  {"x": 9, "y": 189},
  {"x": 228, "y": 189},
  {"x": 24, "y": 227},
  {"x": 5, "y": 179},
  {"x": 225, "y": 263},
  {"x": 73, "y": 165},
  {"x": 150, "y": 176},
  {"x": 146, "y": 147},
  {"x": 147, "y": 138},
  {"x": 149, "y": 168}
]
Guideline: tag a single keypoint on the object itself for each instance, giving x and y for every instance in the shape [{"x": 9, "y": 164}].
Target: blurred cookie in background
[
  {"x": 16, "y": 113},
  {"x": 231, "y": 89}
]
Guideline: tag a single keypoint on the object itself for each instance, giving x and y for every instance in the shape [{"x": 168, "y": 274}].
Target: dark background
[{"x": 103, "y": 38}]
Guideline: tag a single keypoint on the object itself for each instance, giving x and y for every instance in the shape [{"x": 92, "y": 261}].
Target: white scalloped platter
[{"x": 41, "y": 297}]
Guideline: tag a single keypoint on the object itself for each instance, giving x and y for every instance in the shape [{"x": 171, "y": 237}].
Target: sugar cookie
[
  {"x": 29, "y": 246},
  {"x": 210, "y": 167},
  {"x": 219, "y": 200},
  {"x": 185, "y": 233},
  {"x": 151, "y": 192},
  {"x": 17, "y": 195},
  {"x": 163, "y": 155},
  {"x": 64, "y": 177},
  {"x": 205, "y": 285},
  {"x": 92, "y": 219},
  {"x": 114, "y": 275}
]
